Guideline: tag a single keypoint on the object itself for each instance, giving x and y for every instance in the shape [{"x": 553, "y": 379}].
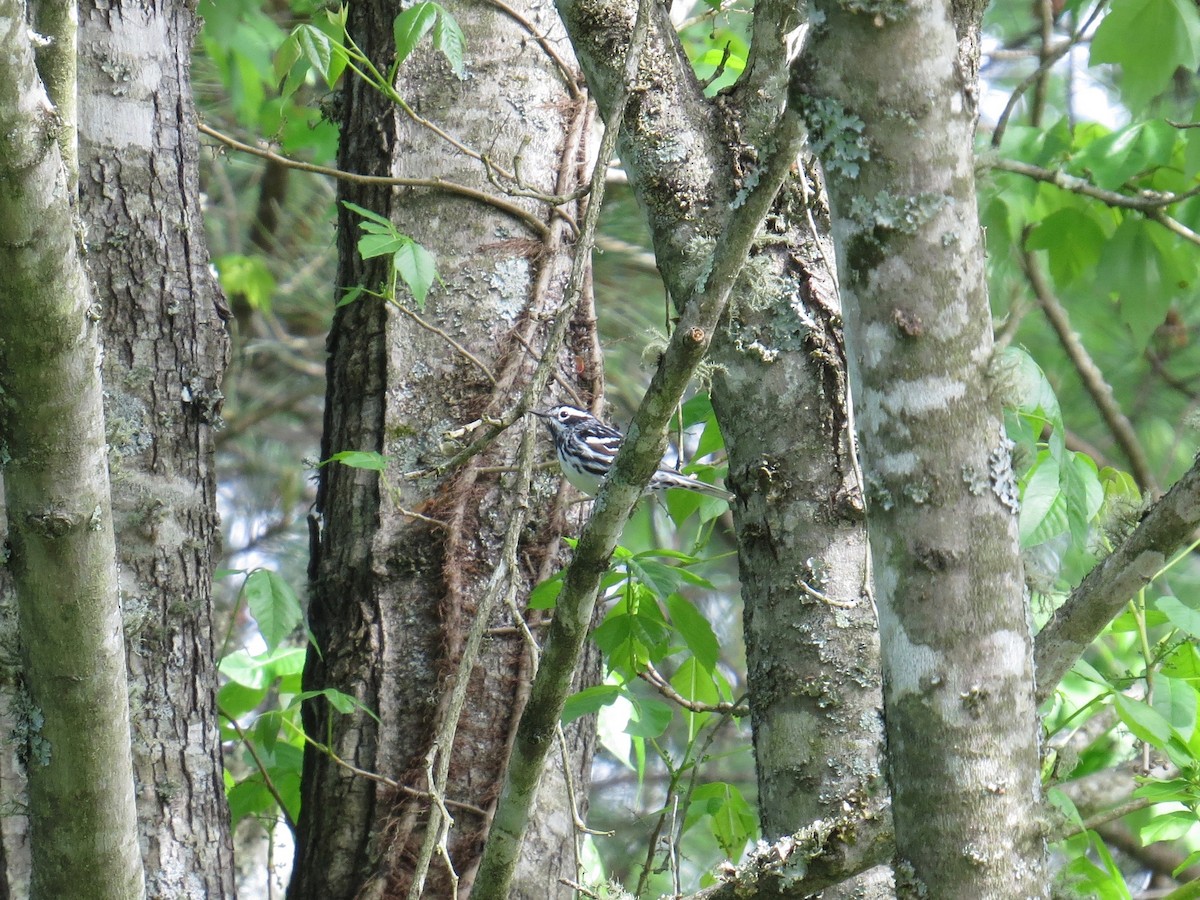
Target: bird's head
[{"x": 562, "y": 417}]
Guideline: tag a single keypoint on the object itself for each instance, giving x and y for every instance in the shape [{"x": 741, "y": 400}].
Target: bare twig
[
  {"x": 653, "y": 677},
  {"x": 568, "y": 74},
  {"x": 1048, "y": 57},
  {"x": 1149, "y": 203},
  {"x": 1089, "y": 373},
  {"x": 534, "y": 224},
  {"x": 449, "y": 340}
]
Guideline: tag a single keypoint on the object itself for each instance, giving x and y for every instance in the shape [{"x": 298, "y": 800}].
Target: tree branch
[
  {"x": 639, "y": 457},
  {"x": 1137, "y": 561},
  {"x": 1149, "y": 203},
  {"x": 1089, "y": 373},
  {"x": 83, "y": 819},
  {"x": 536, "y": 225}
]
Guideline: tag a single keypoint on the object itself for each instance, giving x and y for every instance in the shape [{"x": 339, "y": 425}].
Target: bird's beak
[{"x": 540, "y": 413}]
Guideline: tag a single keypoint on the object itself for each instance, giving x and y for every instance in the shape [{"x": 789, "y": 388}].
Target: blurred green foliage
[{"x": 1098, "y": 103}]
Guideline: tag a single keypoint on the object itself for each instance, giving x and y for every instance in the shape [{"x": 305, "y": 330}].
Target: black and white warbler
[{"x": 586, "y": 448}]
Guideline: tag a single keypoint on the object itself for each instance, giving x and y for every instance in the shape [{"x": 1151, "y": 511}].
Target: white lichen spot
[
  {"x": 1000, "y": 472},
  {"x": 763, "y": 352},
  {"x": 509, "y": 281}
]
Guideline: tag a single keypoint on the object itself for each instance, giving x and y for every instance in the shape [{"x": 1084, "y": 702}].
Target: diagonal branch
[
  {"x": 1089, "y": 373},
  {"x": 639, "y": 457},
  {"x": 1102, "y": 594}
]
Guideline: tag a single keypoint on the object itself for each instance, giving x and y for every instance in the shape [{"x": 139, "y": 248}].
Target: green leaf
[
  {"x": 248, "y": 276},
  {"x": 410, "y": 26},
  {"x": 373, "y": 245},
  {"x": 545, "y": 594},
  {"x": 350, "y": 296},
  {"x": 1176, "y": 700},
  {"x": 317, "y": 49},
  {"x": 261, "y": 671},
  {"x": 1074, "y": 240},
  {"x": 1149, "y": 40},
  {"x": 1116, "y": 159},
  {"x": 359, "y": 459},
  {"x": 343, "y": 703},
  {"x": 417, "y": 269},
  {"x": 633, "y": 632},
  {"x": 696, "y": 631},
  {"x": 1146, "y": 723},
  {"x": 249, "y": 798},
  {"x": 1032, "y": 393},
  {"x": 733, "y": 820},
  {"x": 695, "y": 683},
  {"x": 660, "y": 578},
  {"x": 650, "y": 717},
  {"x": 236, "y": 700},
  {"x": 1136, "y": 273},
  {"x": 588, "y": 701},
  {"x": 1167, "y": 826},
  {"x": 1082, "y": 494},
  {"x": 274, "y": 606},
  {"x": 367, "y": 214},
  {"x": 1183, "y": 616},
  {"x": 1043, "y": 509},
  {"x": 448, "y": 40}
]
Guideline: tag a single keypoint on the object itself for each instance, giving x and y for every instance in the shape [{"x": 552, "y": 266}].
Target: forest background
[{"x": 1086, "y": 158}]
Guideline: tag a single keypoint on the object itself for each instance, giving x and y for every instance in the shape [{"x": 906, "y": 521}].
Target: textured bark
[
  {"x": 165, "y": 349},
  {"x": 393, "y": 595},
  {"x": 958, "y": 678},
  {"x": 72, "y": 695},
  {"x": 779, "y": 388}
]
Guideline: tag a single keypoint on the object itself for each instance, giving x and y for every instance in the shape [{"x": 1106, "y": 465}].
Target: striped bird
[{"x": 586, "y": 448}]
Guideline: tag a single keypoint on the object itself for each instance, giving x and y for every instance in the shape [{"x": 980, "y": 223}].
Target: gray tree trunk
[
  {"x": 401, "y": 564},
  {"x": 71, "y": 700},
  {"x": 165, "y": 350},
  {"x": 962, "y": 725},
  {"x": 780, "y": 391}
]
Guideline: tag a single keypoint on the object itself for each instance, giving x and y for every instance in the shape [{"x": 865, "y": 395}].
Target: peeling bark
[{"x": 394, "y": 594}]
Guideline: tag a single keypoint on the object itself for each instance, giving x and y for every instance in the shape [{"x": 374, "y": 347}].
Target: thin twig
[
  {"x": 1048, "y": 59},
  {"x": 441, "y": 825},
  {"x": 568, "y": 74},
  {"x": 1093, "y": 379},
  {"x": 653, "y": 677},
  {"x": 442, "y": 184},
  {"x": 501, "y": 584},
  {"x": 428, "y": 326},
  {"x": 262, "y": 770},
  {"x": 383, "y": 779}
]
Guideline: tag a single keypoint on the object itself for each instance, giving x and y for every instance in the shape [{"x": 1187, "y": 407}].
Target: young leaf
[
  {"x": 410, "y": 26},
  {"x": 359, "y": 459},
  {"x": 274, "y": 606},
  {"x": 417, "y": 269},
  {"x": 448, "y": 40}
]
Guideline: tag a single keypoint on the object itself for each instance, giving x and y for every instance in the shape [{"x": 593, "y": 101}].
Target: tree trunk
[
  {"x": 72, "y": 697},
  {"x": 958, "y": 681},
  {"x": 403, "y": 564},
  {"x": 780, "y": 392},
  {"x": 165, "y": 350}
]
